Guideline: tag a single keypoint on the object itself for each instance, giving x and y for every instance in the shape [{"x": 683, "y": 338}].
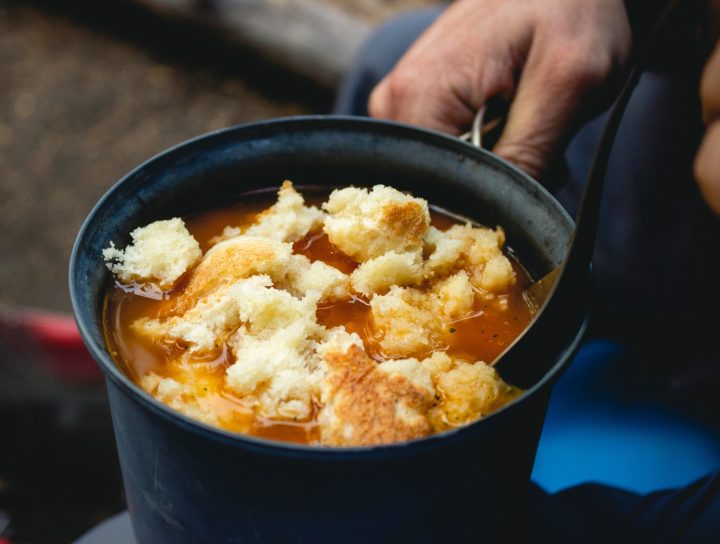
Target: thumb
[{"x": 543, "y": 113}]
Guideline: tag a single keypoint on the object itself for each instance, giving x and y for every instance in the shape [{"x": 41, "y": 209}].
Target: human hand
[
  {"x": 707, "y": 160},
  {"x": 549, "y": 55}
]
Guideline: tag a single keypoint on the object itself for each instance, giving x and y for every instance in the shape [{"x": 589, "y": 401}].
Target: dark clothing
[{"x": 593, "y": 513}]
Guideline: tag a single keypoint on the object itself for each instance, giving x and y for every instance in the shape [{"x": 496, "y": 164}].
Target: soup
[{"x": 368, "y": 322}]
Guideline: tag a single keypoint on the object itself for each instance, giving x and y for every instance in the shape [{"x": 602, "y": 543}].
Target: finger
[
  {"x": 707, "y": 166},
  {"x": 545, "y": 108},
  {"x": 449, "y": 71},
  {"x": 710, "y": 87},
  {"x": 407, "y": 96},
  {"x": 707, "y": 160}
]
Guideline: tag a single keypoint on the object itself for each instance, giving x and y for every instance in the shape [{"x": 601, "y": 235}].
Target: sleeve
[{"x": 595, "y": 513}]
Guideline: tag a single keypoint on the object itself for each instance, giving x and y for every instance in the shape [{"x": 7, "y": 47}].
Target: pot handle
[
  {"x": 475, "y": 134},
  {"x": 488, "y": 123}
]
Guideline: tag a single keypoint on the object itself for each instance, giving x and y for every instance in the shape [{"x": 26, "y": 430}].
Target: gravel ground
[
  {"x": 89, "y": 90},
  {"x": 86, "y": 95}
]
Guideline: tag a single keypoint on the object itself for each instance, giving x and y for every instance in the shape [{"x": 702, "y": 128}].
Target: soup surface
[{"x": 430, "y": 343}]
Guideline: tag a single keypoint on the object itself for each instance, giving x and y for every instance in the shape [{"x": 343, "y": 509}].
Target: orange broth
[{"x": 482, "y": 335}]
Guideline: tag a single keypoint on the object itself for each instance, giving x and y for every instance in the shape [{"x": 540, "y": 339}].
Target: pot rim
[{"x": 289, "y": 449}]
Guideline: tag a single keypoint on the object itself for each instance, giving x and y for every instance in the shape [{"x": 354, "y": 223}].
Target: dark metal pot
[{"x": 187, "y": 482}]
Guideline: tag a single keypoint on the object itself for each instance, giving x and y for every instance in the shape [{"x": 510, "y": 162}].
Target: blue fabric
[{"x": 608, "y": 424}]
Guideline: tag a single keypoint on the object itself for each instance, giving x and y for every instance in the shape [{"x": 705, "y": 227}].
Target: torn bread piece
[
  {"x": 244, "y": 256},
  {"x": 160, "y": 253},
  {"x": 464, "y": 392},
  {"x": 482, "y": 256},
  {"x": 366, "y": 403},
  {"x": 288, "y": 220},
  {"x": 412, "y": 321},
  {"x": 230, "y": 261},
  {"x": 443, "y": 253},
  {"x": 199, "y": 397},
  {"x": 252, "y": 301},
  {"x": 412, "y": 369},
  {"x": 365, "y": 225},
  {"x": 437, "y": 363},
  {"x": 185, "y": 397},
  {"x": 363, "y": 405},
  {"x": 303, "y": 277},
  {"x": 471, "y": 391},
  {"x": 379, "y": 274},
  {"x": 280, "y": 370}
]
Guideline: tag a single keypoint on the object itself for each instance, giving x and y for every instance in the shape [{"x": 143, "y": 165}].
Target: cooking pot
[{"x": 188, "y": 482}]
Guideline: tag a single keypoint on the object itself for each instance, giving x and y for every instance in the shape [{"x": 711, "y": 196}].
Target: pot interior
[{"x": 216, "y": 169}]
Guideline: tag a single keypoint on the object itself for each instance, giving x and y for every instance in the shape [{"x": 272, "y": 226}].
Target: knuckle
[
  {"x": 378, "y": 104},
  {"x": 582, "y": 65},
  {"x": 401, "y": 84},
  {"x": 599, "y": 68},
  {"x": 393, "y": 94}
]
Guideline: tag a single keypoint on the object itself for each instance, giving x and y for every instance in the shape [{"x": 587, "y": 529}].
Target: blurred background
[{"x": 88, "y": 90}]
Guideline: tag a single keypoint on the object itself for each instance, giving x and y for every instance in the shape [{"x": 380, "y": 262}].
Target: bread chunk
[
  {"x": 366, "y": 225},
  {"x": 437, "y": 363},
  {"x": 483, "y": 258},
  {"x": 406, "y": 326},
  {"x": 303, "y": 277},
  {"x": 363, "y": 405},
  {"x": 472, "y": 391},
  {"x": 444, "y": 253},
  {"x": 411, "y": 369},
  {"x": 288, "y": 220},
  {"x": 411, "y": 321},
  {"x": 338, "y": 340},
  {"x": 452, "y": 297},
  {"x": 186, "y": 398},
  {"x": 252, "y": 301},
  {"x": 496, "y": 276},
  {"x": 379, "y": 274},
  {"x": 280, "y": 370},
  {"x": 160, "y": 253},
  {"x": 230, "y": 261}
]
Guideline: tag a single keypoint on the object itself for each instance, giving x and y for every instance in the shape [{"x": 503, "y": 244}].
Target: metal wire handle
[{"x": 474, "y": 136}]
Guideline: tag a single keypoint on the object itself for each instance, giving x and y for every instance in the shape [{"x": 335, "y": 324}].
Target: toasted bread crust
[
  {"x": 407, "y": 219},
  {"x": 229, "y": 261},
  {"x": 364, "y": 401}
]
